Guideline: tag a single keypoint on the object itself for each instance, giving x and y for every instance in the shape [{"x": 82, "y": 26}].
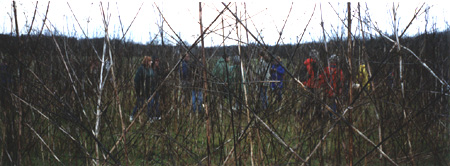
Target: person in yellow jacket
[{"x": 362, "y": 77}]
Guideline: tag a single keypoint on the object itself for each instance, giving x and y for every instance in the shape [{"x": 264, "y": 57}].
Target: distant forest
[{"x": 432, "y": 48}]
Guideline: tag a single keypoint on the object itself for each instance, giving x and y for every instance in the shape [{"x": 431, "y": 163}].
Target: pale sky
[{"x": 266, "y": 18}]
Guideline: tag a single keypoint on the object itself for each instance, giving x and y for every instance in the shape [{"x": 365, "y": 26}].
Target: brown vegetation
[{"x": 68, "y": 100}]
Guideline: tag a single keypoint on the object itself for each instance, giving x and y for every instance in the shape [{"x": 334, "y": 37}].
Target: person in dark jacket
[
  {"x": 184, "y": 75},
  {"x": 277, "y": 73},
  {"x": 190, "y": 73},
  {"x": 155, "y": 81},
  {"x": 142, "y": 85}
]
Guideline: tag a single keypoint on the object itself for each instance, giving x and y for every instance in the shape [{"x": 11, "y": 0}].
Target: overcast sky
[{"x": 264, "y": 18}]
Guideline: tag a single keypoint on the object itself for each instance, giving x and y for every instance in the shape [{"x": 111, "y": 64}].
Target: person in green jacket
[
  {"x": 235, "y": 81},
  {"x": 142, "y": 85},
  {"x": 219, "y": 71}
]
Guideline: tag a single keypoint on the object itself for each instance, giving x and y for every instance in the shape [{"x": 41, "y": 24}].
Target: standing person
[
  {"x": 311, "y": 70},
  {"x": 311, "y": 78},
  {"x": 155, "y": 81},
  {"x": 220, "y": 72},
  {"x": 391, "y": 79},
  {"x": 185, "y": 80},
  {"x": 222, "y": 76},
  {"x": 277, "y": 74},
  {"x": 362, "y": 78},
  {"x": 191, "y": 79},
  {"x": 263, "y": 75},
  {"x": 142, "y": 85},
  {"x": 332, "y": 79},
  {"x": 236, "y": 86},
  {"x": 184, "y": 75}
]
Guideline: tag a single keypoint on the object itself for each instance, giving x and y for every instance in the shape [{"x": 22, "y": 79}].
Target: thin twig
[{"x": 42, "y": 140}]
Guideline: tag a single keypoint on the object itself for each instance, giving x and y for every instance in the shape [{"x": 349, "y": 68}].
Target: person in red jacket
[
  {"x": 311, "y": 69},
  {"x": 332, "y": 80}
]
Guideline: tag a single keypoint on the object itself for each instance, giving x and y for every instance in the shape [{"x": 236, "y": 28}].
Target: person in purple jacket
[{"x": 276, "y": 74}]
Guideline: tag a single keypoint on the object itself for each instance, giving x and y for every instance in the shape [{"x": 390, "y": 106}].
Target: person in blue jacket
[{"x": 277, "y": 73}]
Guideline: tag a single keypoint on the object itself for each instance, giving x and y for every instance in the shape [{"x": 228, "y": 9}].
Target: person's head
[
  {"x": 333, "y": 58},
  {"x": 362, "y": 67},
  {"x": 147, "y": 61},
  {"x": 155, "y": 61},
  {"x": 278, "y": 60},
  {"x": 226, "y": 57},
  {"x": 187, "y": 58},
  {"x": 314, "y": 54},
  {"x": 261, "y": 55},
  {"x": 236, "y": 59},
  {"x": 264, "y": 56}
]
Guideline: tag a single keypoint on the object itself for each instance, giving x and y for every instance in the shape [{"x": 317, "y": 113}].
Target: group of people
[
  {"x": 331, "y": 78},
  {"x": 146, "y": 80},
  {"x": 270, "y": 71}
]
